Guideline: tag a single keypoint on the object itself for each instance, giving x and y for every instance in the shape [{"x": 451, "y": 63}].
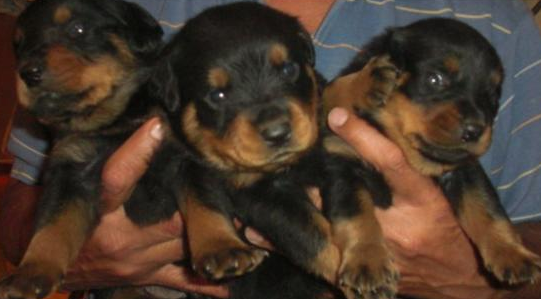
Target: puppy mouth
[
  {"x": 54, "y": 107},
  {"x": 284, "y": 156},
  {"x": 440, "y": 154},
  {"x": 278, "y": 160}
]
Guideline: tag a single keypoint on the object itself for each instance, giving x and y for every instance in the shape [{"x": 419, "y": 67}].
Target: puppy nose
[
  {"x": 471, "y": 132},
  {"x": 31, "y": 74},
  {"x": 277, "y": 134}
]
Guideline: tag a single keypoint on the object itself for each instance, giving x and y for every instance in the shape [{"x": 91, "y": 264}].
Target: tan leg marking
[
  {"x": 327, "y": 261},
  {"x": 50, "y": 252},
  {"x": 498, "y": 244},
  {"x": 216, "y": 250},
  {"x": 367, "y": 268}
]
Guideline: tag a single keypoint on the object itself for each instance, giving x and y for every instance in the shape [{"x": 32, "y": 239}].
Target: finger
[
  {"x": 382, "y": 153},
  {"x": 128, "y": 164},
  {"x": 183, "y": 279},
  {"x": 257, "y": 239},
  {"x": 136, "y": 268},
  {"x": 117, "y": 233}
]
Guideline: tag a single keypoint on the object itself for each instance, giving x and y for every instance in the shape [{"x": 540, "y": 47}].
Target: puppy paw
[
  {"x": 29, "y": 282},
  {"x": 512, "y": 263},
  {"x": 229, "y": 262},
  {"x": 369, "y": 273},
  {"x": 384, "y": 76}
]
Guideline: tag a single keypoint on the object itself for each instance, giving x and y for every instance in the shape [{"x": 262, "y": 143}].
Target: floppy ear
[
  {"x": 141, "y": 30},
  {"x": 164, "y": 86},
  {"x": 397, "y": 44},
  {"x": 308, "y": 47}
]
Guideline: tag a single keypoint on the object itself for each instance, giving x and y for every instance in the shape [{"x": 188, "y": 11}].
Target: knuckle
[
  {"x": 395, "y": 160},
  {"x": 111, "y": 247},
  {"x": 113, "y": 178},
  {"x": 411, "y": 247},
  {"x": 124, "y": 271}
]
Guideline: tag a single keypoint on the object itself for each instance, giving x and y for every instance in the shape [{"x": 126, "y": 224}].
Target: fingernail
[
  {"x": 253, "y": 237},
  {"x": 157, "y": 131},
  {"x": 338, "y": 117}
]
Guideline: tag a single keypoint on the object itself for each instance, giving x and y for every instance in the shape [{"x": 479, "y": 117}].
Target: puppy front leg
[
  {"x": 366, "y": 269},
  {"x": 66, "y": 214},
  {"x": 481, "y": 215},
  {"x": 216, "y": 250},
  {"x": 281, "y": 211}
]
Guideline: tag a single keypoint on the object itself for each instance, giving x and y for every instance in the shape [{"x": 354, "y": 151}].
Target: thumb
[
  {"x": 128, "y": 163},
  {"x": 382, "y": 153}
]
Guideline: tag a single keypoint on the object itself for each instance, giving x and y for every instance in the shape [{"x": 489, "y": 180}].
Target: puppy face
[
  {"x": 248, "y": 93},
  {"x": 445, "y": 94},
  {"x": 78, "y": 60}
]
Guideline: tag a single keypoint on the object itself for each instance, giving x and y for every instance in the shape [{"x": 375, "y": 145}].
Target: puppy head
[
  {"x": 79, "y": 60},
  {"x": 445, "y": 96},
  {"x": 245, "y": 89}
]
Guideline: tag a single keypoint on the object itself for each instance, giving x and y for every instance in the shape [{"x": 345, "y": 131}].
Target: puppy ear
[
  {"x": 397, "y": 40},
  {"x": 165, "y": 87},
  {"x": 308, "y": 47},
  {"x": 143, "y": 33}
]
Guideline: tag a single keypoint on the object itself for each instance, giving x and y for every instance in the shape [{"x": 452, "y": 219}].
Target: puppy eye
[
  {"x": 76, "y": 29},
  {"x": 290, "y": 70},
  {"x": 437, "y": 80},
  {"x": 217, "y": 95}
]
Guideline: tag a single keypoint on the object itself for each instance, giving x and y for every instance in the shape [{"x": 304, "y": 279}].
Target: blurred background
[{"x": 8, "y": 96}]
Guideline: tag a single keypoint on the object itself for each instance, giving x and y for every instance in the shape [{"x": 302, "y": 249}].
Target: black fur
[
  {"x": 83, "y": 71},
  {"x": 224, "y": 78},
  {"x": 433, "y": 88}
]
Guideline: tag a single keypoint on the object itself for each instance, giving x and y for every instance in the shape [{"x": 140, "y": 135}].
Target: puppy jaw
[
  {"x": 420, "y": 130},
  {"x": 242, "y": 148}
]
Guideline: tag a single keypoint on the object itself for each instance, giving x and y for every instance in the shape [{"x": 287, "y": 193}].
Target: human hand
[
  {"x": 434, "y": 256},
  {"x": 121, "y": 253}
]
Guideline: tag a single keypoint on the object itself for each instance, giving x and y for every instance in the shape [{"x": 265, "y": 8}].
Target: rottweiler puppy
[
  {"x": 432, "y": 87},
  {"x": 82, "y": 68},
  {"x": 245, "y": 99}
]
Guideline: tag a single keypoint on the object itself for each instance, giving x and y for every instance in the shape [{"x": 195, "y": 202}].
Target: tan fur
[
  {"x": 403, "y": 120},
  {"x": 327, "y": 261},
  {"x": 335, "y": 145},
  {"x": 241, "y": 148},
  {"x": 62, "y": 15},
  {"x": 245, "y": 179},
  {"x": 218, "y": 78},
  {"x": 452, "y": 64},
  {"x": 55, "y": 245},
  {"x": 278, "y": 54},
  {"x": 499, "y": 245},
  {"x": 65, "y": 68},
  {"x": 124, "y": 53},
  {"x": 74, "y": 149},
  {"x": 213, "y": 239},
  {"x": 496, "y": 77},
  {"x": 366, "y": 260}
]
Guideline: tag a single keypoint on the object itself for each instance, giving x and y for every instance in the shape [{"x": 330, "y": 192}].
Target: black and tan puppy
[
  {"x": 245, "y": 98},
  {"x": 433, "y": 88},
  {"x": 82, "y": 68}
]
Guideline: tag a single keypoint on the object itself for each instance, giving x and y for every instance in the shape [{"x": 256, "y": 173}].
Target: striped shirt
[{"x": 513, "y": 162}]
